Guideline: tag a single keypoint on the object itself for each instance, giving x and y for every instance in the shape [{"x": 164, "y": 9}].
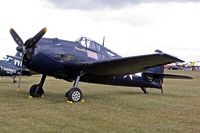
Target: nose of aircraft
[{"x": 23, "y": 47}]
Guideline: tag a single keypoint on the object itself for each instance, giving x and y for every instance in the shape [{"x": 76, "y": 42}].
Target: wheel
[
  {"x": 144, "y": 90},
  {"x": 36, "y": 91},
  {"x": 66, "y": 94},
  {"x": 74, "y": 95}
]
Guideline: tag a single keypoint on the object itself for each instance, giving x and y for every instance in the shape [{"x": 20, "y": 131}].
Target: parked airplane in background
[
  {"x": 87, "y": 61},
  {"x": 11, "y": 66}
]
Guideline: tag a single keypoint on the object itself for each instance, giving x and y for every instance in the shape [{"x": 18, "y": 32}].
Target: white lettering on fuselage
[
  {"x": 14, "y": 61},
  {"x": 8, "y": 70},
  {"x": 80, "y": 49},
  {"x": 57, "y": 44},
  {"x": 17, "y": 63}
]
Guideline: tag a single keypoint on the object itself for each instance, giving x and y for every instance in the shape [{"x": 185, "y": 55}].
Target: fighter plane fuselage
[
  {"x": 60, "y": 59},
  {"x": 7, "y": 69}
]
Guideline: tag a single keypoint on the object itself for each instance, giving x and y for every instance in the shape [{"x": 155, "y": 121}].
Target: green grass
[{"x": 106, "y": 108}]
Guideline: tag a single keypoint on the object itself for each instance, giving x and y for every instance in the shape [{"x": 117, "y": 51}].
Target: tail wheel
[
  {"x": 144, "y": 90},
  {"x": 74, "y": 95},
  {"x": 36, "y": 91}
]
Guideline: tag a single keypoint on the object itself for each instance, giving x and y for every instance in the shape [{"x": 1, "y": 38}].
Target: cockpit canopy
[
  {"x": 92, "y": 45},
  {"x": 88, "y": 43}
]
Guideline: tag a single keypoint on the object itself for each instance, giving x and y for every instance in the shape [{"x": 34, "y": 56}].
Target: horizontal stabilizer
[
  {"x": 172, "y": 76},
  {"x": 14, "y": 57}
]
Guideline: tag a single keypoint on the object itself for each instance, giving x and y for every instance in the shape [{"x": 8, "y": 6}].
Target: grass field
[{"x": 106, "y": 108}]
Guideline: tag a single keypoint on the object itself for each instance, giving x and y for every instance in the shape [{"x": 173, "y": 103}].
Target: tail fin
[
  {"x": 15, "y": 60},
  {"x": 151, "y": 74},
  {"x": 156, "y": 75}
]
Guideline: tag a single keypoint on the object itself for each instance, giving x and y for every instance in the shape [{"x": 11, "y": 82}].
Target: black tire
[
  {"x": 66, "y": 94},
  {"x": 144, "y": 90},
  {"x": 74, "y": 95},
  {"x": 36, "y": 91}
]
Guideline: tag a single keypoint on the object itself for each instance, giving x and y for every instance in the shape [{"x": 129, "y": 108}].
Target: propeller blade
[
  {"x": 16, "y": 37},
  {"x": 33, "y": 41}
]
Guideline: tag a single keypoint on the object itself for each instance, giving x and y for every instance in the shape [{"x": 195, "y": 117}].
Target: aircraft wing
[{"x": 128, "y": 65}]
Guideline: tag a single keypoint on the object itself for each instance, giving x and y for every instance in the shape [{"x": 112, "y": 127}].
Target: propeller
[
  {"x": 22, "y": 47},
  {"x": 33, "y": 41},
  {"x": 16, "y": 37}
]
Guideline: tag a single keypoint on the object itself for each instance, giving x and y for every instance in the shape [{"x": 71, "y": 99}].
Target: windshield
[
  {"x": 92, "y": 45},
  {"x": 88, "y": 43}
]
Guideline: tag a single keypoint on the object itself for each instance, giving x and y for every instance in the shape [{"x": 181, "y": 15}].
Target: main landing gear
[
  {"x": 74, "y": 94},
  {"x": 36, "y": 90}
]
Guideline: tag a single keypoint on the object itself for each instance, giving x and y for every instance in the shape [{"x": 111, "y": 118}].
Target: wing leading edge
[{"x": 128, "y": 65}]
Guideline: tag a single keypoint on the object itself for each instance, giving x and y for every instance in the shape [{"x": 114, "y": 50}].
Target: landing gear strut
[
  {"x": 36, "y": 90},
  {"x": 74, "y": 94},
  {"x": 144, "y": 90}
]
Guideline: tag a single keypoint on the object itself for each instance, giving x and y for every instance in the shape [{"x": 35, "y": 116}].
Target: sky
[{"x": 130, "y": 27}]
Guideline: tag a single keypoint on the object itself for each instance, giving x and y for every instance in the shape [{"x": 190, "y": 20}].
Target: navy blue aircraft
[
  {"x": 11, "y": 66},
  {"x": 87, "y": 61}
]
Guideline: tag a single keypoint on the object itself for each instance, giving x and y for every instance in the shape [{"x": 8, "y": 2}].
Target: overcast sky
[
  {"x": 99, "y": 4},
  {"x": 130, "y": 27}
]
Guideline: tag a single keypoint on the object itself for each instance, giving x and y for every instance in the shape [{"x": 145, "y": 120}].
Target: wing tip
[{"x": 175, "y": 59}]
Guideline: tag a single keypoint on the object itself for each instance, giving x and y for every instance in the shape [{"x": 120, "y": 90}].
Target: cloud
[{"x": 99, "y": 4}]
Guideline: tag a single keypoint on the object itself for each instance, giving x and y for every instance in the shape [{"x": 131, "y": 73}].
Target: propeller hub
[{"x": 19, "y": 49}]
